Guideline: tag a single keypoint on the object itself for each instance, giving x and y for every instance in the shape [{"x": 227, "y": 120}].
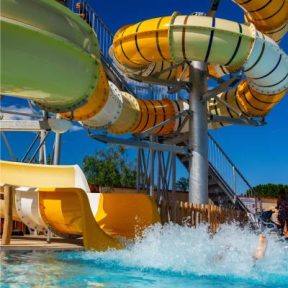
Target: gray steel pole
[
  {"x": 152, "y": 157},
  {"x": 13, "y": 158},
  {"x": 42, "y": 151},
  {"x": 198, "y": 136},
  {"x": 57, "y": 145}
]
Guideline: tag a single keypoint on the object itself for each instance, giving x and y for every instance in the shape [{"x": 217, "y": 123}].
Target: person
[
  {"x": 257, "y": 254},
  {"x": 260, "y": 251},
  {"x": 282, "y": 206},
  {"x": 81, "y": 11}
]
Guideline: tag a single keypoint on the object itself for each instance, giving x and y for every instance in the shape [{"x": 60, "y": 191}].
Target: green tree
[
  {"x": 267, "y": 190},
  {"x": 110, "y": 168},
  {"x": 182, "y": 184},
  {"x": 49, "y": 159}
]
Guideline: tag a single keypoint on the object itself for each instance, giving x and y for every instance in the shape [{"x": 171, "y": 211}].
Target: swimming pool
[{"x": 171, "y": 256}]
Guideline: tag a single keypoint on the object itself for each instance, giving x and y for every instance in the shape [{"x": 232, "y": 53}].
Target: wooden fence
[{"x": 192, "y": 215}]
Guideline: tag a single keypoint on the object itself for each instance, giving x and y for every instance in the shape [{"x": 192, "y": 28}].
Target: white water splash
[{"x": 177, "y": 249}]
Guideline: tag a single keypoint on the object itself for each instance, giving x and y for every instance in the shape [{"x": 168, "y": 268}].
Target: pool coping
[{"x": 39, "y": 243}]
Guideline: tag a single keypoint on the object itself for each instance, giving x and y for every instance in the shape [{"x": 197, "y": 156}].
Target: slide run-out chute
[{"x": 67, "y": 207}]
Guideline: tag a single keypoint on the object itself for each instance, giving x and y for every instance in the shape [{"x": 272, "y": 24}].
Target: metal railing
[
  {"x": 87, "y": 13},
  {"x": 219, "y": 161},
  {"x": 229, "y": 172},
  {"x": 105, "y": 39}
]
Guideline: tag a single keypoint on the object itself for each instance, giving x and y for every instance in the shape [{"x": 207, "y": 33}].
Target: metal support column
[
  {"x": 152, "y": 157},
  {"x": 42, "y": 150},
  {"x": 57, "y": 150},
  {"x": 57, "y": 147},
  {"x": 198, "y": 136}
]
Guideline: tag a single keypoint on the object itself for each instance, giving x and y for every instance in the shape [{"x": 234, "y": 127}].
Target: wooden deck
[{"x": 30, "y": 242}]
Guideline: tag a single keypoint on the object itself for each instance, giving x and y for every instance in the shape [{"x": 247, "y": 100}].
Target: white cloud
[
  {"x": 14, "y": 108},
  {"x": 75, "y": 128}
]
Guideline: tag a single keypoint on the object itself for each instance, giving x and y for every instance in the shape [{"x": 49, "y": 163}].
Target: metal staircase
[{"x": 226, "y": 182}]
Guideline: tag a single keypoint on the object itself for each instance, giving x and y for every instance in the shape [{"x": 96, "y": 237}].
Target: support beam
[
  {"x": 7, "y": 229},
  {"x": 33, "y": 115},
  {"x": 177, "y": 85},
  {"x": 236, "y": 121},
  {"x": 11, "y": 154},
  {"x": 24, "y": 125},
  {"x": 142, "y": 144},
  {"x": 221, "y": 88},
  {"x": 42, "y": 142},
  {"x": 198, "y": 136}
]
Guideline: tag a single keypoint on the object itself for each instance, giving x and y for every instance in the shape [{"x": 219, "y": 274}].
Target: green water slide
[{"x": 54, "y": 62}]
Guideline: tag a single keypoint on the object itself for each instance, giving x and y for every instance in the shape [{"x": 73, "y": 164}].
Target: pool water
[{"x": 169, "y": 256}]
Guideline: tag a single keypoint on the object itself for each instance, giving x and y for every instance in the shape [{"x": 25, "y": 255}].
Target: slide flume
[
  {"x": 26, "y": 177},
  {"x": 67, "y": 207}
]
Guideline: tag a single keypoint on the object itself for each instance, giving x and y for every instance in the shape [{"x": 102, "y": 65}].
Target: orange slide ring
[
  {"x": 255, "y": 103},
  {"x": 144, "y": 115},
  {"x": 95, "y": 102}
]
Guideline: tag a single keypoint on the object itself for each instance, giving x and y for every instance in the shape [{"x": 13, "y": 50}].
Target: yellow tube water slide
[
  {"x": 269, "y": 17},
  {"x": 217, "y": 42}
]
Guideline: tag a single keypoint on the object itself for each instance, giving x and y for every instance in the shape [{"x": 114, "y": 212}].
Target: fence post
[{"x": 7, "y": 229}]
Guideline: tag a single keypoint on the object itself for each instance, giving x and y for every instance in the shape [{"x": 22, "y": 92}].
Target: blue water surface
[{"x": 169, "y": 256}]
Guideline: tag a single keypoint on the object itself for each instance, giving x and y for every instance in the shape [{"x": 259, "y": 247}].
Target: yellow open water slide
[
  {"x": 26, "y": 177},
  {"x": 70, "y": 209}
]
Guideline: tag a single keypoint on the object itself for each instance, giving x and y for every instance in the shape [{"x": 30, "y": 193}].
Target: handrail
[
  {"x": 104, "y": 36},
  {"x": 229, "y": 160},
  {"x": 105, "y": 39},
  {"x": 230, "y": 173},
  {"x": 230, "y": 193}
]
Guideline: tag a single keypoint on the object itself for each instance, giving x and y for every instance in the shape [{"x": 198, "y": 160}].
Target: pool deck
[{"x": 29, "y": 242}]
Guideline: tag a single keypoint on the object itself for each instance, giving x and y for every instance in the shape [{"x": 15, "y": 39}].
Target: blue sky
[{"x": 261, "y": 153}]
